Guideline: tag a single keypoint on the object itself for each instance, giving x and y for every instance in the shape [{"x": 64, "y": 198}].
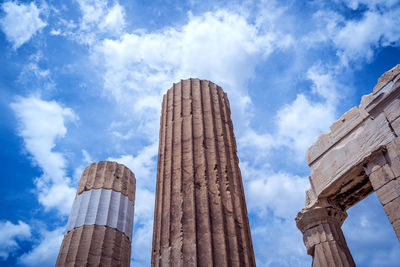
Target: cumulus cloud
[
  {"x": 280, "y": 193},
  {"x": 21, "y": 22},
  {"x": 298, "y": 124},
  {"x": 219, "y": 46},
  {"x": 357, "y": 39},
  {"x": 10, "y": 234},
  {"x": 45, "y": 252},
  {"x": 41, "y": 123}
]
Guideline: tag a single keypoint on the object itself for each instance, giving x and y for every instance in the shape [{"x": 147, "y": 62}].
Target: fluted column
[
  {"x": 323, "y": 236},
  {"x": 200, "y": 211},
  {"x": 99, "y": 229}
]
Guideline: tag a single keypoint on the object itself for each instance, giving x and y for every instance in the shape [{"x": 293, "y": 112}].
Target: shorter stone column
[
  {"x": 323, "y": 236},
  {"x": 99, "y": 229},
  {"x": 384, "y": 173}
]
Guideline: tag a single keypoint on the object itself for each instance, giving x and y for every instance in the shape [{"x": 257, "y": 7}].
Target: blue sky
[{"x": 82, "y": 81}]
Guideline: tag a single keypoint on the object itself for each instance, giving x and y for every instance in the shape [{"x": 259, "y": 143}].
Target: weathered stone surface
[
  {"x": 355, "y": 138},
  {"x": 396, "y": 126},
  {"x": 350, "y": 120},
  {"x": 351, "y": 151},
  {"x": 99, "y": 229},
  {"x": 323, "y": 236},
  {"x": 386, "y": 78},
  {"x": 381, "y": 176},
  {"x": 94, "y": 245},
  {"x": 374, "y": 101},
  {"x": 200, "y": 212},
  {"x": 389, "y": 191},
  {"x": 108, "y": 175},
  {"x": 360, "y": 154},
  {"x": 392, "y": 110}
]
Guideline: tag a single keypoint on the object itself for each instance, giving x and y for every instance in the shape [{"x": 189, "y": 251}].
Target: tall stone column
[
  {"x": 200, "y": 211},
  {"x": 99, "y": 229},
  {"x": 384, "y": 173},
  {"x": 323, "y": 236}
]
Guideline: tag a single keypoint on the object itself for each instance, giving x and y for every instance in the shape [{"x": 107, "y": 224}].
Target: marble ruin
[
  {"x": 200, "y": 211},
  {"x": 99, "y": 229},
  {"x": 359, "y": 155},
  {"x": 200, "y": 216}
]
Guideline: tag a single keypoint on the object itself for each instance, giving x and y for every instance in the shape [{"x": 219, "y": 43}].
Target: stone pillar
[
  {"x": 323, "y": 236},
  {"x": 200, "y": 211},
  {"x": 99, "y": 229},
  {"x": 384, "y": 173}
]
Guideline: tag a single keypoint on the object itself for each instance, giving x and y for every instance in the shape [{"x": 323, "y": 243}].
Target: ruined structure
[
  {"x": 99, "y": 230},
  {"x": 200, "y": 211},
  {"x": 360, "y": 155}
]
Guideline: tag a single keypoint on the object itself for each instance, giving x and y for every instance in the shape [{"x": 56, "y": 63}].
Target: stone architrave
[
  {"x": 99, "y": 229},
  {"x": 360, "y": 154},
  {"x": 200, "y": 210}
]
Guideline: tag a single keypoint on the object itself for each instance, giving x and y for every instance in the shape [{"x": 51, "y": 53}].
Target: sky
[{"x": 82, "y": 81}]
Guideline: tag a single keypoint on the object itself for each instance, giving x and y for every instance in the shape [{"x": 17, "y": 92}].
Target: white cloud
[
  {"x": 279, "y": 243},
  {"x": 10, "y": 234},
  {"x": 220, "y": 46},
  {"x": 358, "y": 39},
  {"x": 21, "y": 22},
  {"x": 114, "y": 21},
  {"x": 98, "y": 18},
  {"x": 141, "y": 244},
  {"x": 298, "y": 124},
  {"x": 371, "y": 4},
  {"x": 46, "y": 251},
  {"x": 142, "y": 165},
  {"x": 266, "y": 191},
  {"x": 41, "y": 123}
]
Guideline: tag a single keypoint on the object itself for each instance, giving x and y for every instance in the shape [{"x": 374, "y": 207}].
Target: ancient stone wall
[{"x": 359, "y": 155}]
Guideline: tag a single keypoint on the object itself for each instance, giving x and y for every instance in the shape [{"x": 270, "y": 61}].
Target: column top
[
  {"x": 310, "y": 217},
  {"x": 108, "y": 175}
]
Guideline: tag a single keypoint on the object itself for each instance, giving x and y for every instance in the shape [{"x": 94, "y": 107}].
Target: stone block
[
  {"x": 323, "y": 143},
  {"x": 395, "y": 166},
  {"x": 378, "y": 101},
  {"x": 375, "y": 163},
  {"x": 396, "y": 126},
  {"x": 389, "y": 191},
  {"x": 392, "y": 111},
  {"x": 386, "y": 78},
  {"x": 381, "y": 176},
  {"x": 351, "y": 151},
  {"x": 392, "y": 210},
  {"x": 340, "y": 128},
  {"x": 393, "y": 148}
]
